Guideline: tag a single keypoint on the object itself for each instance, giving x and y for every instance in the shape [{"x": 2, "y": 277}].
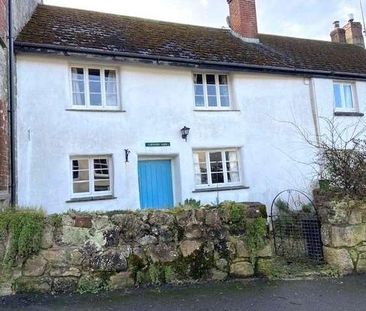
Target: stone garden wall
[
  {"x": 343, "y": 232},
  {"x": 93, "y": 252}
]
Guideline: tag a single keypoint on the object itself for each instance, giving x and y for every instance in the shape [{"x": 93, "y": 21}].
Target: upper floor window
[
  {"x": 216, "y": 167},
  {"x": 94, "y": 88},
  {"x": 91, "y": 176},
  {"x": 344, "y": 98},
  {"x": 211, "y": 91}
]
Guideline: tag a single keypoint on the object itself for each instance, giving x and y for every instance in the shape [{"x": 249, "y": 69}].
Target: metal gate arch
[{"x": 296, "y": 227}]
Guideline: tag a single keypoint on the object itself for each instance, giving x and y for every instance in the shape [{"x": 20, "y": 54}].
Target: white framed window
[
  {"x": 91, "y": 176},
  {"x": 216, "y": 168},
  {"x": 211, "y": 91},
  {"x": 344, "y": 96},
  {"x": 94, "y": 88}
]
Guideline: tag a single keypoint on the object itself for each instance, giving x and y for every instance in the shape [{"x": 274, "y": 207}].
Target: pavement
[{"x": 345, "y": 294}]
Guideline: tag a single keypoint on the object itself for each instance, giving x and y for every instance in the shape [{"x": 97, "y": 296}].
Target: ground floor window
[
  {"x": 91, "y": 176},
  {"x": 216, "y": 167}
]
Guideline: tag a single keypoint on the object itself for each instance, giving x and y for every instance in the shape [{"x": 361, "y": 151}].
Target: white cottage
[{"x": 102, "y": 101}]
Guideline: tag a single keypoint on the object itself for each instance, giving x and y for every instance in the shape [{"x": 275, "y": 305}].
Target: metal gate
[{"x": 296, "y": 227}]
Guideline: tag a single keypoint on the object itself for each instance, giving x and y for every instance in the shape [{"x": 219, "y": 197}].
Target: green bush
[{"x": 24, "y": 228}]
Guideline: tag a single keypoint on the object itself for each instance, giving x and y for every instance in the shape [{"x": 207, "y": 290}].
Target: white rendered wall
[{"x": 158, "y": 102}]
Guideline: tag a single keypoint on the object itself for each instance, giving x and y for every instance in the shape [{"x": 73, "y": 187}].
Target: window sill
[
  {"x": 91, "y": 199},
  {"x": 348, "y": 114},
  {"x": 216, "y": 110},
  {"x": 95, "y": 110},
  {"x": 221, "y": 189}
]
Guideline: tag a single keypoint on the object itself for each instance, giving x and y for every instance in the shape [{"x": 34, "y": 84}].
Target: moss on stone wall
[{"x": 23, "y": 230}]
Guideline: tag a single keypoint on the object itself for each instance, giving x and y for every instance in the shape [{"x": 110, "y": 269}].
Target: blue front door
[{"x": 155, "y": 184}]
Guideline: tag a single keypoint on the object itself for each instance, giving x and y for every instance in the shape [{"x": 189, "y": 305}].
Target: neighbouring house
[
  {"x": 20, "y": 12},
  {"x": 105, "y": 104}
]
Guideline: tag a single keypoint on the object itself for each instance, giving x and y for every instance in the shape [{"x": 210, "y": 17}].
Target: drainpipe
[{"x": 11, "y": 105}]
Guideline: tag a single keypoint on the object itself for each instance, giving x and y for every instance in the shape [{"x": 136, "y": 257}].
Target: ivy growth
[
  {"x": 24, "y": 229},
  {"x": 255, "y": 237}
]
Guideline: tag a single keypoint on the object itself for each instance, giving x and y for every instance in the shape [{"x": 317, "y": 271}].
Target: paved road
[{"x": 345, "y": 294}]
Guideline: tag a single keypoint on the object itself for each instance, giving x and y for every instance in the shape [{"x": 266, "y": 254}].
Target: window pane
[
  {"x": 232, "y": 166},
  {"x": 210, "y": 79},
  {"x": 201, "y": 156},
  {"x": 78, "y": 87},
  {"x": 212, "y": 101},
  {"x": 95, "y": 87},
  {"x": 198, "y": 89},
  {"x": 215, "y": 156},
  {"x": 211, "y": 90},
  {"x": 199, "y": 101},
  {"x": 223, "y": 79},
  {"x": 112, "y": 100},
  {"x": 110, "y": 75},
  {"x": 225, "y": 101},
  {"x": 102, "y": 185},
  {"x": 233, "y": 177},
  {"x": 101, "y": 166},
  {"x": 337, "y": 96},
  {"x": 79, "y": 99},
  {"x": 348, "y": 96},
  {"x": 94, "y": 75},
  {"x": 95, "y": 99},
  {"x": 81, "y": 187},
  {"x": 77, "y": 73},
  {"x": 80, "y": 164},
  {"x": 198, "y": 79},
  {"x": 224, "y": 90},
  {"x": 201, "y": 179},
  {"x": 217, "y": 178},
  {"x": 231, "y": 155}
]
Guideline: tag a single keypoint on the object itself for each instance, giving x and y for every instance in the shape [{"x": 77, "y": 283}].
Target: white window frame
[
  {"x": 209, "y": 172},
  {"x": 92, "y": 193},
  {"x": 87, "y": 105},
  {"x": 354, "y": 101},
  {"x": 205, "y": 95}
]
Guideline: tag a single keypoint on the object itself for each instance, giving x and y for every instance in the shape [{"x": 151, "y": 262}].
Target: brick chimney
[
  {"x": 338, "y": 34},
  {"x": 354, "y": 32},
  {"x": 243, "y": 19}
]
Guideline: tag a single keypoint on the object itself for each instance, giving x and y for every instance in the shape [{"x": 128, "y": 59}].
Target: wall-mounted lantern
[
  {"x": 185, "y": 132},
  {"x": 127, "y": 153}
]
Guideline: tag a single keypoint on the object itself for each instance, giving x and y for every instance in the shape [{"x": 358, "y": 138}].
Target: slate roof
[{"x": 66, "y": 29}]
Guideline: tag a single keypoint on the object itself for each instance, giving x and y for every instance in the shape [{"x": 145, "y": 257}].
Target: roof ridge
[{"x": 133, "y": 17}]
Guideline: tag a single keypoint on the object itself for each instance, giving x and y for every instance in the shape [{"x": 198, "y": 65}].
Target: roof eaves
[{"x": 50, "y": 48}]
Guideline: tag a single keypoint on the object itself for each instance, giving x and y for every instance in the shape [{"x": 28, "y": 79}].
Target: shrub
[{"x": 24, "y": 229}]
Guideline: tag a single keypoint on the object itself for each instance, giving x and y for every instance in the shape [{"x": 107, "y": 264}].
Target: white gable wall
[{"x": 158, "y": 102}]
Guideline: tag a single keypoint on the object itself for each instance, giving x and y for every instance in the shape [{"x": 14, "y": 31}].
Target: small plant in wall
[{"x": 21, "y": 231}]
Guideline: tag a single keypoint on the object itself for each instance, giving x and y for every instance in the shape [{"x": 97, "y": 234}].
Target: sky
[{"x": 297, "y": 18}]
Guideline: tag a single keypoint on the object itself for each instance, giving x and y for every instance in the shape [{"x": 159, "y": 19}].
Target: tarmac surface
[{"x": 345, "y": 294}]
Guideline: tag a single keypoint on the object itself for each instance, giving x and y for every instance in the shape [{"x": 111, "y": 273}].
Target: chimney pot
[
  {"x": 354, "y": 32},
  {"x": 351, "y": 17},
  {"x": 336, "y": 24},
  {"x": 243, "y": 19}
]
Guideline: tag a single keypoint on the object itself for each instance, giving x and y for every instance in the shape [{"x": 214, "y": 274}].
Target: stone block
[
  {"x": 74, "y": 235},
  {"x": 348, "y": 236},
  {"x": 56, "y": 257},
  {"x": 241, "y": 269},
  {"x": 266, "y": 251},
  {"x": 361, "y": 263},
  {"x": 121, "y": 280},
  {"x": 339, "y": 258},
  {"x": 100, "y": 222},
  {"x": 356, "y": 216},
  {"x": 162, "y": 253},
  {"x": 47, "y": 238},
  {"x": 83, "y": 221},
  {"x": 65, "y": 285},
  {"x": 109, "y": 261},
  {"x": 218, "y": 275},
  {"x": 241, "y": 249},
  {"x": 222, "y": 264},
  {"x": 193, "y": 231},
  {"x": 326, "y": 234},
  {"x": 65, "y": 272},
  {"x": 147, "y": 240},
  {"x": 32, "y": 285},
  {"x": 35, "y": 266},
  {"x": 189, "y": 247}
]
